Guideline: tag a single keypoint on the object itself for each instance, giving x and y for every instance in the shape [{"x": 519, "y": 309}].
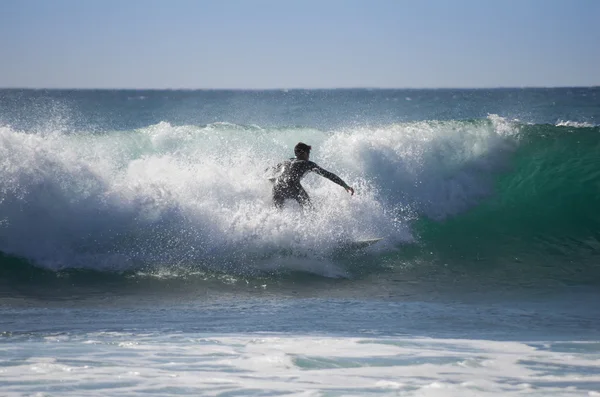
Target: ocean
[{"x": 140, "y": 253}]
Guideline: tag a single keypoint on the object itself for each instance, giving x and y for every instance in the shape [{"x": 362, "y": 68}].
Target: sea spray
[{"x": 164, "y": 195}]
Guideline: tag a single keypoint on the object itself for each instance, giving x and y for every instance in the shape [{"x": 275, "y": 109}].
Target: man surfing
[{"x": 286, "y": 183}]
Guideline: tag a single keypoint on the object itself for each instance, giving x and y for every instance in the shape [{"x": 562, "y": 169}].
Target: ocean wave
[{"x": 194, "y": 197}]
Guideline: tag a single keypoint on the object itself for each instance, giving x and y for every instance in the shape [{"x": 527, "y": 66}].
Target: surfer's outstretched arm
[{"x": 333, "y": 178}]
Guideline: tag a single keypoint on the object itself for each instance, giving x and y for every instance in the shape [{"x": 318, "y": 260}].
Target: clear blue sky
[{"x": 305, "y": 44}]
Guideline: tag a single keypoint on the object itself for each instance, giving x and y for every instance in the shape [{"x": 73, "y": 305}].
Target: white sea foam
[
  {"x": 576, "y": 124},
  {"x": 188, "y": 364}
]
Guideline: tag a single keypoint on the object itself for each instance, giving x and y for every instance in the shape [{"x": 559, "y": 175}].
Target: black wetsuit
[{"x": 287, "y": 182}]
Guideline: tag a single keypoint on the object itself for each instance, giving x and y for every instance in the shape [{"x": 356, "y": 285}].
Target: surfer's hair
[{"x": 301, "y": 148}]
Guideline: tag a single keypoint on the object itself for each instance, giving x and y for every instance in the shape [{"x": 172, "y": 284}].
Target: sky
[{"x": 263, "y": 44}]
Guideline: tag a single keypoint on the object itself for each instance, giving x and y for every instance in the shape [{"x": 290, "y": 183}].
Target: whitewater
[
  {"x": 186, "y": 194},
  {"x": 140, "y": 252}
]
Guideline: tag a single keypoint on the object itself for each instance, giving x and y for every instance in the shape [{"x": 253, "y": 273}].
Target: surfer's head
[{"x": 302, "y": 150}]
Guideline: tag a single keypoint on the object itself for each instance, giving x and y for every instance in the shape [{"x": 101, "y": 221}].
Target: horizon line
[{"x": 293, "y": 88}]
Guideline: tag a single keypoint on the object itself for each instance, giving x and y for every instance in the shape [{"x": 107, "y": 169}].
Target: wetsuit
[{"x": 287, "y": 182}]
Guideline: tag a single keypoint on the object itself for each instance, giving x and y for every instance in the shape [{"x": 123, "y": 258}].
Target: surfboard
[{"x": 360, "y": 244}]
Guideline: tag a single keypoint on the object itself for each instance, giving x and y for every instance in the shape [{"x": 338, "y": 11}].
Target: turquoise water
[{"x": 140, "y": 253}]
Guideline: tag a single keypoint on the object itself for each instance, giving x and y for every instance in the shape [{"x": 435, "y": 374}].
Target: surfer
[{"x": 286, "y": 183}]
